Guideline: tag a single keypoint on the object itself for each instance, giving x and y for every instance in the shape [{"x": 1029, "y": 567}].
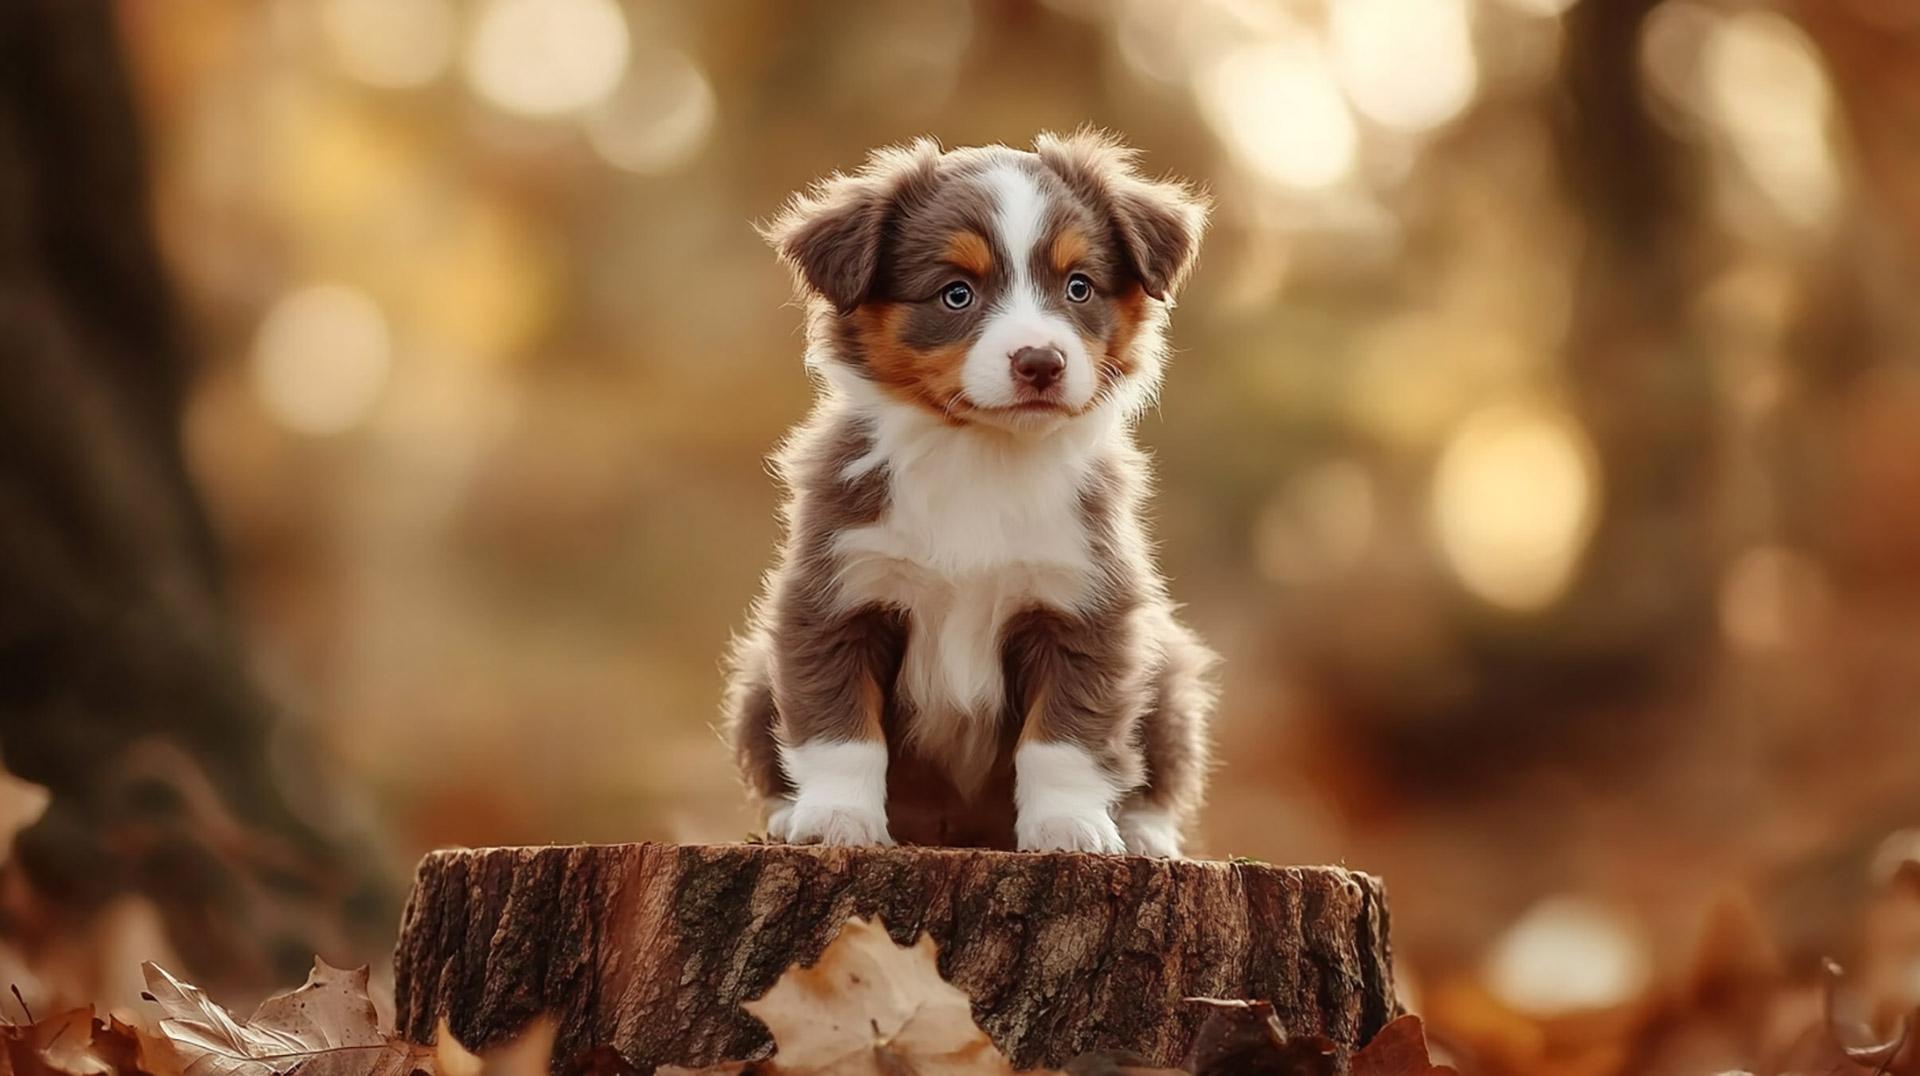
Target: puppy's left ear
[{"x": 1159, "y": 223}]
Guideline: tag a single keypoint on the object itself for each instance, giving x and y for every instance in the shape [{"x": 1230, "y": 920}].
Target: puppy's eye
[
  {"x": 958, "y": 296},
  {"x": 1079, "y": 288}
]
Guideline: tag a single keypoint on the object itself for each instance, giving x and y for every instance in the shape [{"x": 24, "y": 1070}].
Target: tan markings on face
[
  {"x": 1069, "y": 249},
  {"x": 927, "y": 379},
  {"x": 1117, "y": 362},
  {"x": 969, "y": 251}
]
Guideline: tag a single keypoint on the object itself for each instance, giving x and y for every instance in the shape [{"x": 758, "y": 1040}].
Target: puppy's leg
[
  {"x": 827, "y": 677},
  {"x": 752, "y": 724},
  {"x": 1076, "y": 684},
  {"x": 1173, "y": 733}
]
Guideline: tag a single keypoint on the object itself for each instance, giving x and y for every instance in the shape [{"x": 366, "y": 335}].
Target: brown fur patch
[
  {"x": 969, "y": 251},
  {"x": 924, "y": 807},
  {"x": 806, "y": 671},
  {"x": 1069, "y": 249},
  {"x": 929, "y": 379}
]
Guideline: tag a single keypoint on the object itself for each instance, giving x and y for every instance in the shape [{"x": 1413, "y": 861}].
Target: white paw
[
  {"x": 1149, "y": 831},
  {"x": 1069, "y": 833},
  {"x": 846, "y": 827},
  {"x": 779, "y": 811}
]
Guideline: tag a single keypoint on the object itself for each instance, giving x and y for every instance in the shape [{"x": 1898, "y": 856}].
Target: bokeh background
[{"x": 1542, "y": 447}]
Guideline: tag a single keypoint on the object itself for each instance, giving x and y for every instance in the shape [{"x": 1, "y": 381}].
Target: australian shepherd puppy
[{"x": 965, "y": 640}]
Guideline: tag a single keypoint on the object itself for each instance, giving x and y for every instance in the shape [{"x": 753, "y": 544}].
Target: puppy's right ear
[{"x": 830, "y": 235}]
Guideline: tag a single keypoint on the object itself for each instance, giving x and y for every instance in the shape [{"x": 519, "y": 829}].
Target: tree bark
[
  {"x": 124, "y": 686},
  {"x": 652, "y": 947}
]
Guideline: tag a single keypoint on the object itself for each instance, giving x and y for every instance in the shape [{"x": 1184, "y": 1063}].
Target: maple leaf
[
  {"x": 529, "y": 1054},
  {"x": 1245, "y": 1038},
  {"x": 328, "y": 1027},
  {"x": 450, "y": 1058},
  {"x": 72, "y": 1043},
  {"x": 1400, "y": 1049},
  {"x": 869, "y": 1007}
]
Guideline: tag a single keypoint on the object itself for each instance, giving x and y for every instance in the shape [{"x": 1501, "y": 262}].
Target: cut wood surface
[{"x": 652, "y": 947}]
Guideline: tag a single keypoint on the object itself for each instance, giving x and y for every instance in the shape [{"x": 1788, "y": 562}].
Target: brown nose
[{"x": 1039, "y": 366}]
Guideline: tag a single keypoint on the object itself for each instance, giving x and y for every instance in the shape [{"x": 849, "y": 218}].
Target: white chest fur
[{"x": 980, "y": 527}]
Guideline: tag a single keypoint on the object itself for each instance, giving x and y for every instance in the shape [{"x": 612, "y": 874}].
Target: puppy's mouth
[
  {"x": 1029, "y": 400},
  {"x": 1038, "y": 406},
  {"x": 1041, "y": 411}
]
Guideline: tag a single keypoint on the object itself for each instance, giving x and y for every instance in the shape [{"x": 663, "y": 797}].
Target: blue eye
[
  {"x": 1079, "y": 288},
  {"x": 957, "y": 296}
]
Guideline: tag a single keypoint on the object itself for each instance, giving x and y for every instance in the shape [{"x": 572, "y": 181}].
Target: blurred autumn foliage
[{"x": 1543, "y": 449}]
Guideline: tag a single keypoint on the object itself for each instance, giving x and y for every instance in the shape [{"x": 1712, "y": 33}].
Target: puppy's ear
[
  {"x": 830, "y": 235},
  {"x": 1159, "y": 223}
]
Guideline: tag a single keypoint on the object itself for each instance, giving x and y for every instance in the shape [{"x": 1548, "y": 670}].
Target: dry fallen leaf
[
  {"x": 602, "y": 1060},
  {"x": 450, "y": 1058},
  {"x": 869, "y": 1007},
  {"x": 529, "y": 1054},
  {"x": 1245, "y": 1038},
  {"x": 327, "y": 1027},
  {"x": 1400, "y": 1049},
  {"x": 71, "y": 1043}
]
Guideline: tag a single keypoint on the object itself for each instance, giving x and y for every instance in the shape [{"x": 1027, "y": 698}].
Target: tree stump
[{"x": 652, "y": 947}]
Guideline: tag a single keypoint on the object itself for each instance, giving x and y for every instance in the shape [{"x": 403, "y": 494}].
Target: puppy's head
[{"x": 991, "y": 285}]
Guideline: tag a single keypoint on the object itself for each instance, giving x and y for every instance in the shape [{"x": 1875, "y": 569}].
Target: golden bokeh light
[
  {"x": 1546, "y": 9},
  {"x": 485, "y": 286},
  {"x": 1569, "y": 954},
  {"x": 393, "y": 44},
  {"x": 1770, "y": 598},
  {"x": 660, "y": 117},
  {"x": 1405, "y": 64},
  {"x": 546, "y": 57},
  {"x": 1767, "y": 90},
  {"x": 1410, "y": 378},
  {"x": 1513, "y": 503},
  {"x": 1276, "y": 107},
  {"x": 1671, "y": 41},
  {"x": 1166, "y": 40},
  {"x": 1149, "y": 37},
  {"x": 926, "y": 43},
  {"x": 321, "y": 357}
]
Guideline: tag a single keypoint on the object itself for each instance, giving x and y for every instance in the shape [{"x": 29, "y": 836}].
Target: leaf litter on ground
[{"x": 870, "y": 1007}]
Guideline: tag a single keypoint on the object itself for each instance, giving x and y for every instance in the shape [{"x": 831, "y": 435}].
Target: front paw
[
  {"x": 1070, "y": 833},
  {"x": 845, "y": 827},
  {"x": 1149, "y": 831},
  {"x": 779, "y": 815}
]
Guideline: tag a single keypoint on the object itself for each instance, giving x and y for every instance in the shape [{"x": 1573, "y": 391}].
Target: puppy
[{"x": 965, "y": 640}]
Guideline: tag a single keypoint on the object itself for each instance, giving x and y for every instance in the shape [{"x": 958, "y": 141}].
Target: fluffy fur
[{"x": 965, "y": 640}]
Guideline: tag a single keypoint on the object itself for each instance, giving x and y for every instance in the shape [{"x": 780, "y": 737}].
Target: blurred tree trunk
[
  {"x": 1642, "y": 383},
  {"x": 123, "y": 687},
  {"x": 1578, "y": 686}
]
